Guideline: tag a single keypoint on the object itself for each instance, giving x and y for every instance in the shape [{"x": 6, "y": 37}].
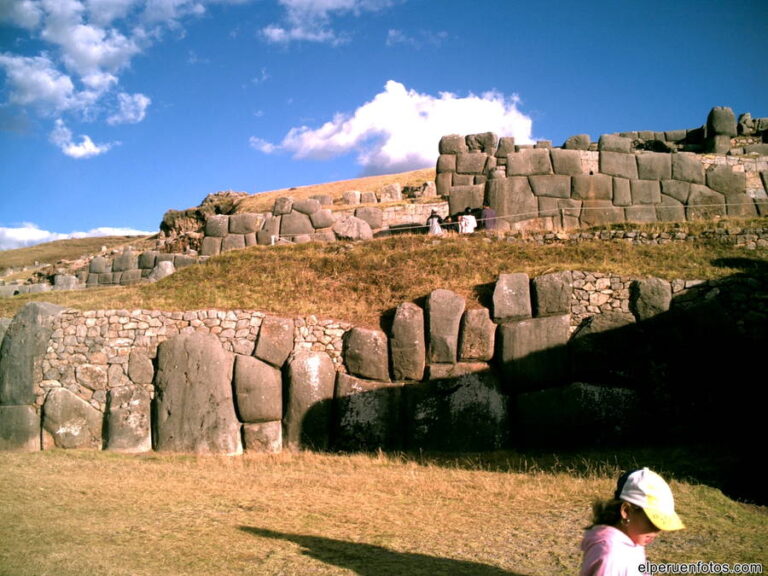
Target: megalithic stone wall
[{"x": 536, "y": 365}]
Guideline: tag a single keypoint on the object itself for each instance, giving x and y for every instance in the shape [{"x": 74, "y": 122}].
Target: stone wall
[{"x": 567, "y": 355}]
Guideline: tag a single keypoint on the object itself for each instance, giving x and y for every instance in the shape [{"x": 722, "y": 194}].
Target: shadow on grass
[{"x": 370, "y": 560}]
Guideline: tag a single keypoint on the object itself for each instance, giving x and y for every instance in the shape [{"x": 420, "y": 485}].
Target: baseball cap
[{"x": 649, "y": 491}]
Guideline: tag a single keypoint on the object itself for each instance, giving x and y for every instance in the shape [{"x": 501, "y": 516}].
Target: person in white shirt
[{"x": 467, "y": 222}]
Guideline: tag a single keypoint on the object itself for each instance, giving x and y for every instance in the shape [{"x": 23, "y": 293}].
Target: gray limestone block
[
  {"x": 446, "y": 163},
  {"x": 258, "y": 390},
  {"x": 408, "y": 343},
  {"x": 165, "y": 257},
  {"x": 428, "y": 189},
  {"x": 140, "y": 367},
  {"x": 600, "y": 213},
  {"x": 368, "y": 197},
  {"x": 263, "y": 437},
  {"x": 533, "y": 351},
  {"x": 391, "y": 193},
  {"x": 182, "y": 261},
  {"x": 578, "y": 415},
  {"x": 721, "y": 121},
  {"x": 613, "y": 143},
  {"x": 670, "y": 210},
  {"x": 326, "y": 235},
  {"x": 19, "y": 428},
  {"x": 645, "y": 191},
  {"x": 676, "y": 189},
  {"x": 351, "y": 197},
  {"x": 65, "y": 282},
  {"x": 275, "y": 341},
  {"x": 644, "y": 213},
  {"x": 452, "y": 144},
  {"x": 471, "y": 163},
  {"x": 720, "y": 144},
  {"x": 324, "y": 199},
  {"x": 484, "y": 142},
  {"x": 740, "y": 206},
  {"x": 675, "y": 135},
  {"x": 566, "y": 162},
  {"x": 529, "y": 161},
  {"x": 352, "y": 228},
  {"x": 512, "y": 297},
  {"x": 367, "y": 414},
  {"x": 592, "y": 187},
  {"x": 310, "y": 382},
  {"x": 211, "y": 246},
  {"x": 725, "y": 180},
  {"x": 704, "y": 204},
  {"x": 687, "y": 167},
  {"x": 308, "y": 206},
  {"x": 128, "y": 420},
  {"x": 245, "y": 223},
  {"x": 232, "y": 242},
  {"x": 100, "y": 265},
  {"x": 217, "y": 225},
  {"x": 130, "y": 277},
  {"x": 282, "y": 206},
  {"x": 570, "y": 211},
  {"x": 444, "y": 182},
  {"x": 478, "y": 336},
  {"x": 512, "y": 198},
  {"x": 269, "y": 232},
  {"x": 127, "y": 260},
  {"x": 466, "y": 196},
  {"x": 70, "y": 422},
  {"x": 24, "y": 345},
  {"x": 366, "y": 353},
  {"x": 465, "y": 410},
  {"x": 323, "y": 218},
  {"x": 444, "y": 311},
  {"x": 147, "y": 259},
  {"x": 761, "y": 149},
  {"x": 553, "y": 186},
  {"x": 162, "y": 270},
  {"x": 578, "y": 142},
  {"x": 649, "y": 297},
  {"x": 372, "y": 215},
  {"x": 506, "y": 147},
  {"x": 462, "y": 180},
  {"x": 618, "y": 164},
  {"x": 646, "y": 135},
  {"x": 195, "y": 409},
  {"x": 294, "y": 224},
  {"x": 552, "y": 294},
  {"x": 654, "y": 166}
]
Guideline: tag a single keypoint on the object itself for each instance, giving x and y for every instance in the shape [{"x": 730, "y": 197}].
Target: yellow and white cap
[{"x": 649, "y": 491}]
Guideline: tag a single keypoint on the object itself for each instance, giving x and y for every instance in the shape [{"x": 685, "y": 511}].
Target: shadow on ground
[{"x": 370, "y": 560}]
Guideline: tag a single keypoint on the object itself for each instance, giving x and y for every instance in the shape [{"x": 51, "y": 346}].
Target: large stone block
[
  {"x": 528, "y": 162},
  {"x": 368, "y": 414},
  {"x": 446, "y": 163},
  {"x": 391, "y": 192},
  {"x": 622, "y": 193},
  {"x": 408, "y": 343},
  {"x": 130, "y": 277},
  {"x": 148, "y": 259},
  {"x": 512, "y": 199},
  {"x": 217, "y": 225},
  {"x": 553, "y": 186},
  {"x": 618, "y": 164},
  {"x": 275, "y": 341},
  {"x": 643, "y": 213},
  {"x": 740, "y": 206},
  {"x": 676, "y": 189},
  {"x": 366, "y": 353},
  {"x": 163, "y": 269},
  {"x": 19, "y": 428},
  {"x": 512, "y": 297},
  {"x": 294, "y": 224},
  {"x": 478, "y": 336},
  {"x": 129, "y": 419},
  {"x": 567, "y": 162},
  {"x": 372, "y": 215},
  {"x": 258, "y": 390},
  {"x": 654, "y": 166},
  {"x": 649, "y": 297},
  {"x": 140, "y": 368},
  {"x": 323, "y": 218},
  {"x": 308, "y": 206},
  {"x": 723, "y": 179},
  {"x": 194, "y": 402},
  {"x": 282, "y": 206},
  {"x": 614, "y": 143},
  {"x": 444, "y": 311},
  {"x": 578, "y": 142},
  {"x": 246, "y": 223},
  {"x": 471, "y": 163},
  {"x": 645, "y": 191},
  {"x": 311, "y": 379},
  {"x": 452, "y": 144},
  {"x": 687, "y": 167},
  {"x": 351, "y": 228},
  {"x": 263, "y": 437},
  {"x": 592, "y": 187},
  {"x": 211, "y": 246},
  {"x": 506, "y": 147},
  {"x": 70, "y": 422},
  {"x": 22, "y": 349},
  {"x": 704, "y": 203},
  {"x": 483, "y": 142},
  {"x": 600, "y": 213},
  {"x": 552, "y": 293},
  {"x": 466, "y": 196},
  {"x": 444, "y": 183},
  {"x": 99, "y": 265},
  {"x": 721, "y": 121},
  {"x": 533, "y": 352},
  {"x": 670, "y": 210},
  {"x": 126, "y": 260}
]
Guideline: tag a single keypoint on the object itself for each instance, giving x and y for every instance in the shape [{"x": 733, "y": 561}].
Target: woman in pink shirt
[{"x": 623, "y": 526}]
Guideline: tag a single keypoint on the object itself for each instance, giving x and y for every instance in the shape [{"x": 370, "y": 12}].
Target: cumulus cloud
[
  {"x": 310, "y": 20},
  {"x": 423, "y": 39},
  {"x": 28, "y": 234},
  {"x": 131, "y": 109},
  {"x": 61, "y": 136},
  {"x": 400, "y": 129}
]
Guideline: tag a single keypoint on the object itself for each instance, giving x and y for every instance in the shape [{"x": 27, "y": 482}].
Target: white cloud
[
  {"x": 132, "y": 109},
  {"x": 35, "y": 81},
  {"x": 61, "y": 136},
  {"x": 424, "y": 38},
  {"x": 23, "y": 13},
  {"x": 400, "y": 129},
  {"x": 29, "y": 234}
]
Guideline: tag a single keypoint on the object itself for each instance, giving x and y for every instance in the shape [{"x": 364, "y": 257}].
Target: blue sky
[{"x": 114, "y": 111}]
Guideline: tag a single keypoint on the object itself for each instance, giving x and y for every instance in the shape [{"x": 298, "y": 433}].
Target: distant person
[
  {"x": 488, "y": 217},
  {"x": 434, "y": 223},
  {"x": 467, "y": 222},
  {"x": 641, "y": 507}
]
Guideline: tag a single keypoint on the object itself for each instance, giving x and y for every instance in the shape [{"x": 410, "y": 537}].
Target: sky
[{"x": 114, "y": 111}]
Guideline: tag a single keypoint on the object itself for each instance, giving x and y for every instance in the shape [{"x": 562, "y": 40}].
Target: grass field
[{"x": 81, "y": 513}]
